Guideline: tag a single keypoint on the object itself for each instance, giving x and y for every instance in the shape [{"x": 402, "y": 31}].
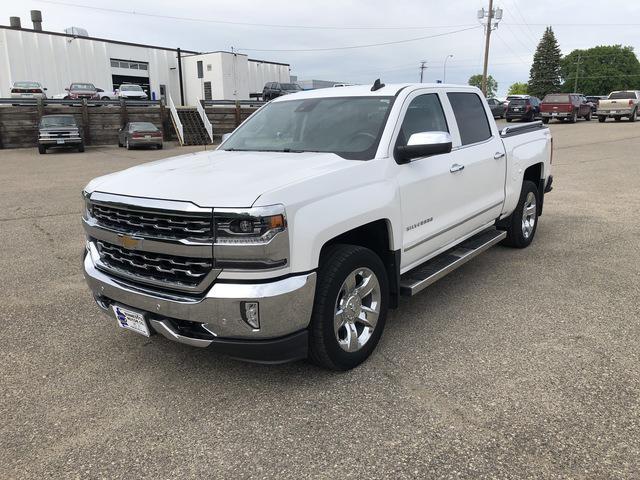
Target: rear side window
[
  {"x": 622, "y": 95},
  {"x": 424, "y": 114},
  {"x": 470, "y": 117}
]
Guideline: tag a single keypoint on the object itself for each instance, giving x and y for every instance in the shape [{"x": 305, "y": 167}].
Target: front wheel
[
  {"x": 545, "y": 120},
  {"x": 81, "y": 148},
  {"x": 522, "y": 224},
  {"x": 42, "y": 149},
  {"x": 350, "y": 307}
]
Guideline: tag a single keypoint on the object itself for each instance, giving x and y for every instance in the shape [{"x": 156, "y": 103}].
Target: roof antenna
[{"x": 377, "y": 85}]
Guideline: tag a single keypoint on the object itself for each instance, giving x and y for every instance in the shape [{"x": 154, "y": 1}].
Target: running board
[{"x": 432, "y": 270}]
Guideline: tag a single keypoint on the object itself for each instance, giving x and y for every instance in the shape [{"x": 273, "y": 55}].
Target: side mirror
[
  {"x": 67, "y": 89},
  {"x": 99, "y": 90},
  {"x": 423, "y": 144},
  {"x": 225, "y": 136},
  {"x": 45, "y": 88}
]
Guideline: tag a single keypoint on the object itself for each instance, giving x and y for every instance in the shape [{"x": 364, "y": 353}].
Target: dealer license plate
[
  {"x": 147, "y": 136},
  {"x": 60, "y": 141},
  {"x": 131, "y": 320}
]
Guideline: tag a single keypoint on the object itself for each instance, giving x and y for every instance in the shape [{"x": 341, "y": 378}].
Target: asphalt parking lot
[{"x": 523, "y": 363}]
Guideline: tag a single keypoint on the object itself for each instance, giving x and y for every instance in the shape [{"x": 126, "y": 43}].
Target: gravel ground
[{"x": 519, "y": 364}]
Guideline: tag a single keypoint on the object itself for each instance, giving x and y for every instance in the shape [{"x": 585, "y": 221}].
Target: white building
[{"x": 57, "y": 59}]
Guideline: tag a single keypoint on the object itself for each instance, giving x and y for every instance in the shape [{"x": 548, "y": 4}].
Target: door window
[
  {"x": 424, "y": 114},
  {"x": 470, "y": 116}
]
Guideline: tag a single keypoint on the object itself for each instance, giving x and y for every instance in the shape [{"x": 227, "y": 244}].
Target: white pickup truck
[{"x": 295, "y": 236}]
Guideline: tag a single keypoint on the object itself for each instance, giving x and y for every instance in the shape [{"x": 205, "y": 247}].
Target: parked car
[
  {"x": 275, "y": 89},
  {"x": 27, "y": 90},
  {"x": 527, "y": 108},
  {"x": 139, "y": 134},
  {"x": 497, "y": 107},
  {"x": 355, "y": 196},
  {"x": 594, "y": 100},
  {"x": 565, "y": 106},
  {"x": 106, "y": 94},
  {"x": 619, "y": 104},
  {"x": 131, "y": 92},
  {"x": 59, "y": 131},
  {"x": 82, "y": 91},
  {"x": 512, "y": 97}
]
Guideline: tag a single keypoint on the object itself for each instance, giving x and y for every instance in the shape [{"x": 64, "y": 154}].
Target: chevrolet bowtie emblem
[{"x": 130, "y": 243}]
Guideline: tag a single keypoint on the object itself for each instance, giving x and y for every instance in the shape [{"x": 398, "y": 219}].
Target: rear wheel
[
  {"x": 42, "y": 149},
  {"x": 573, "y": 118},
  {"x": 350, "y": 307},
  {"x": 634, "y": 116},
  {"x": 587, "y": 117},
  {"x": 81, "y": 147},
  {"x": 602, "y": 118},
  {"x": 545, "y": 120},
  {"x": 522, "y": 223}
]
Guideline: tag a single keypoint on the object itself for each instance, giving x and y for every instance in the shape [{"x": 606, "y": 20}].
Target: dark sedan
[
  {"x": 497, "y": 107},
  {"x": 139, "y": 134}
]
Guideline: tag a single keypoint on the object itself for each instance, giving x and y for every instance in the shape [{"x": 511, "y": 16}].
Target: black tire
[
  {"x": 587, "y": 117},
  {"x": 81, "y": 148},
  {"x": 545, "y": 120},
  {"x": 42, "y": 149},
  {"x": 573, "y": 118},
  {"x": 336, "y": 264},
  {"x": 634, "y": 115},
  {"x": 617, "y": 118},
  {"x": 509, "y": 120},
  {"x": 602, "y": 118},
  {"x": 514, "y": 225},
  {"x": 120, "y": 144}
]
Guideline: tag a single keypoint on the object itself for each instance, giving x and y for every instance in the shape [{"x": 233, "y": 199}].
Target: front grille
[
  {"x": 167, "y": 270},
  {"x": 59, "y": 134},
  {"x": 146, "y": 223}
]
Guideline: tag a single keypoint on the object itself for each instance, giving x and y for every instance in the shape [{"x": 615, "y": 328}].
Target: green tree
[
  {"x": 492, "y": 85},
  {"x": 518, "y": 88},
  {"x": 601, "y": 70},
  {"x": 544, "y": 76}
]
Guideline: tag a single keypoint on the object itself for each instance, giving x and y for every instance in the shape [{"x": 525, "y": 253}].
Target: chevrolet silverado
[{"x": 294, "y": 238}]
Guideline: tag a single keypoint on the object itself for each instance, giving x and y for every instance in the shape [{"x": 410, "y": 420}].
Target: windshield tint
[
  {"x": 131, "y": 88},
  {"x": 26, "y": 85},
  {"x": 82, "y": 86},
  {"x": 518, "y": 101},
  {"x": 556, "y": 98},
  {"x": 290, "y": 86},
  {"x": 58, "y": 121},
  {"x": 142, "y": 126},
  {"x": 622, "y": 95},
  {"x": 348, "y": 126}
]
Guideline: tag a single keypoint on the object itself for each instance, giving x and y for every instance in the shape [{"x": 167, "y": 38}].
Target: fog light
[{"x": 250, "y": 313}]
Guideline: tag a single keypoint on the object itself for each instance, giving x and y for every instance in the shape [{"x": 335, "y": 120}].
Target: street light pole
[{"x": 444, "y": 69}]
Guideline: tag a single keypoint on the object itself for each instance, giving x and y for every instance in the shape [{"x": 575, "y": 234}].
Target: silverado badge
[{"x": 130, "y": 243}]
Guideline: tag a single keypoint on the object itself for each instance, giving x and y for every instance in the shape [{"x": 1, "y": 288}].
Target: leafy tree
[
  {"x": 492, "y": 85},
  {"x": 544, "y": 76},
  {"x": 518, "y": 88},
  {"x": 601, "y": 70}
]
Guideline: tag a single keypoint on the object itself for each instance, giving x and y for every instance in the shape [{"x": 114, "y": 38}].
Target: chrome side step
[{"x": 432, "y": 270}]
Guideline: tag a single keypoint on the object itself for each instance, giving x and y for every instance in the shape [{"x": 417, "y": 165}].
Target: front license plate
[
  {"x": 131, "y": 320},
  {"x": 60, "y": 142}
]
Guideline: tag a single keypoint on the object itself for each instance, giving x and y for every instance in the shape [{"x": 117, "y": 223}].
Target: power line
[
  {"x": 351, "y": 47},
  {"x": 250, "y": 24}
]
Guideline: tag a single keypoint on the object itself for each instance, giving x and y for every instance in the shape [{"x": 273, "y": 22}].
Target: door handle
[
  {"x": 498, "y": 155},
  {"x": 456, "y": 167}
]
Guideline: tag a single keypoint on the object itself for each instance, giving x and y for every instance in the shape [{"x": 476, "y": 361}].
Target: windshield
[
  {"x": 142, "y": 126},
  {"x": 58, "y": 121},
  {"x": 518, "y": 101},
  {"x": 131, "y": 88},
  {"x": 26, "y": 85},
  {"x": 556, "y": 98},
  {"x": 290, "y": 86},
  {"x": 347, "y": 126},
  {"x": 82, "y": 86},
  {"x": 622, "y": 95}
]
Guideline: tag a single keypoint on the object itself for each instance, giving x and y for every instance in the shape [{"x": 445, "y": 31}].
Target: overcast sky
[{"x": 512, "y": 47}]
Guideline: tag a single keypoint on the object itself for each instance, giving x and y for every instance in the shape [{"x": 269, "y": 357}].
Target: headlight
[
  {"x": 86, "y": 206},
  {"x": 252, "y": 238}
]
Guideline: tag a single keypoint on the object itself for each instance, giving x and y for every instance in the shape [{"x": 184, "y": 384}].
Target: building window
[
  {"x": 207, "y": 91},
  {"x": 208, "y": 67},
  {"x": 115, "y": 63},
  {"x": 129, "y": 65}
]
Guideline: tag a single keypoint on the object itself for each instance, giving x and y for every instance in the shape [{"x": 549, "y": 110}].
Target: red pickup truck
[{"x": 565, "y": 106}]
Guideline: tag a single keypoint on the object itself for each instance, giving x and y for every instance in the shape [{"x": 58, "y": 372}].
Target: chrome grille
[
  {"x": 168, "y": 271},
  {"x": 147, "y": 223}
]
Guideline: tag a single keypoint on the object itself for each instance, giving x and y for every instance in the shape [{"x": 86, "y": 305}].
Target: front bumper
[
  {"x": 215, "y": 320},
  {"x": 56, "y": 142}
]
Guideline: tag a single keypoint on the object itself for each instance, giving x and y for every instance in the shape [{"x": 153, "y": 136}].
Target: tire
[
  {"x": 42, "y": 149},
  {"x": 519, "y": 233},
  {"x": 587, "y": 117},
  {"x": 602, "y": 119},
  {"x": 617, "y": 118},
  {"x": 330, "y": 347},
  {"x": 509, "y": 120},
  {"x": 573, "y": 118},
  {"x": 545, "y": 120},
  {"x": 81, "y": 148},
  {"x": 120, "y": 144},
  {"x": 634, "y": 115},
  {"x": 160, "y": 146}
]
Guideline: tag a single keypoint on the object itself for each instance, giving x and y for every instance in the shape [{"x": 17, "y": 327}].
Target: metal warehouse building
[{"x": 57, "y": 59}]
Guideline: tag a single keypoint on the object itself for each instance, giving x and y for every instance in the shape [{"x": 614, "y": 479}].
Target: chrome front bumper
[{"x": 285, "y": 306}]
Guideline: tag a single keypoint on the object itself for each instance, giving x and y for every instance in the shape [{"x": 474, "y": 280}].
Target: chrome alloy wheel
[
  {"x": 357, "y": 309},
  {"x": 529, "y": 215}
]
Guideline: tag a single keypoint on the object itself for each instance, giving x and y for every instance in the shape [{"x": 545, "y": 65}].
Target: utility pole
[
  {"x": 423, "y": 67},
  {"x": 575, "y": 83},
  {"x": 493, "y": 17}
]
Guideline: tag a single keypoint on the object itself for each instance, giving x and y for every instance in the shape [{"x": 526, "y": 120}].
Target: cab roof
[{"x": 388, "y": 90}]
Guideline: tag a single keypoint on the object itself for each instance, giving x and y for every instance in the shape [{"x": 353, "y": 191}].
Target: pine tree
[{"x": 544, "y": 76}]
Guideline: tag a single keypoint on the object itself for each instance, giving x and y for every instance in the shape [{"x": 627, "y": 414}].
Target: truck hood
[{"x": 218, "y": 178}]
